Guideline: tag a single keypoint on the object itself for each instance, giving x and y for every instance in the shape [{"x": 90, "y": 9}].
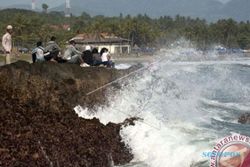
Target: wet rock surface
[
  {"x": 244, "y": 119},
  {"x": 38, "y": 125}
]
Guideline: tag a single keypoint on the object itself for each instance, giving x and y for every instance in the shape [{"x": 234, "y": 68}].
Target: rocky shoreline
[{"x": 37, "y": 122}]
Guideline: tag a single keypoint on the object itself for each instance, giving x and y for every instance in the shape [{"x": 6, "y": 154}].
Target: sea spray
[{"x": 187, "y": 101}]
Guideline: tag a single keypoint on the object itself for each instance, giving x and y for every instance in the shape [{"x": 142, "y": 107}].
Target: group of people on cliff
[
  {"x": 89, "y": 57},
  {"x": 52, "y": 52}
]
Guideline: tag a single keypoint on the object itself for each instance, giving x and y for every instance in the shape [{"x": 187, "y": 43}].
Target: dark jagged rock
[
  {"x": 244, "y": 119},
  {"x": 56, "y": 85},
  {"x": 38, "y": 126}
]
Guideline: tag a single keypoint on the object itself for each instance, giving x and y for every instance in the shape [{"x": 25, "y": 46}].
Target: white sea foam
[
  {"x": 122, "y": 66},
  {"x": 231, "y": 106},
  {"x": 169, "y": 97}
]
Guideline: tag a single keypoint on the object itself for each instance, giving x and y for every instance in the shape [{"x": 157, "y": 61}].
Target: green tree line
[{"x": 142, "y": 30}]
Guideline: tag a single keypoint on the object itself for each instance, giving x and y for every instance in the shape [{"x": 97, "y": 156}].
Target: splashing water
[{"x": 187, "y": 101}]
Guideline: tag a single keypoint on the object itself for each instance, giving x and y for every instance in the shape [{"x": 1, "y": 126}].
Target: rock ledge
[{"x": 38, "y": 126}]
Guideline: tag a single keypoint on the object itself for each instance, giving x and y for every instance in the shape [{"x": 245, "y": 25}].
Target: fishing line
[
  {"x": 134, "y": 72},
  {"x": 126, "y": 76}
]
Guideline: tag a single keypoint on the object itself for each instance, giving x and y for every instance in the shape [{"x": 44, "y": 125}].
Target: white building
[{"x": 115, "y": 45}]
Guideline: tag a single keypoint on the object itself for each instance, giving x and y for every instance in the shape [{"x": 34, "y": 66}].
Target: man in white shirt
[
  {"x": 38, "y": 54},
  {"x": 7, "y": 43}
]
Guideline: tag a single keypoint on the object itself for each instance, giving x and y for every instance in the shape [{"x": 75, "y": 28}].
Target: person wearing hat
[{"x": 7, "y": 43}]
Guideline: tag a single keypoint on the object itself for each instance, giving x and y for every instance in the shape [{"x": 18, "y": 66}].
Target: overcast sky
[{"x": 51, "y": 3}]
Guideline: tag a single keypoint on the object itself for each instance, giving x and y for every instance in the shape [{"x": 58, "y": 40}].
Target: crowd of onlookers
[
  {"x": 52, "y": 52},
  {"x": 89, "y": 57}
]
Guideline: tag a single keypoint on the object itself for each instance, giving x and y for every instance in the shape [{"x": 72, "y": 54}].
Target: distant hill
[
  {"x": 211, "y": 10},
  {"x": 194, "y": 8},
  {"x": 238, "y": 9},
  {"x": 20, "y": 6}
]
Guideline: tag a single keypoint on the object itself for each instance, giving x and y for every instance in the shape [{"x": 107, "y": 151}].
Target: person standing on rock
[{"x": 7, "y": 43}]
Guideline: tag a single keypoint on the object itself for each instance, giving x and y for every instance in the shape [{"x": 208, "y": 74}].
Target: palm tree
[{"x": 45, "y": 7}]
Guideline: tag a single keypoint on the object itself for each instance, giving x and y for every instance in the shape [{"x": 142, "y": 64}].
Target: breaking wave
[{"x": 187, "y": 101}]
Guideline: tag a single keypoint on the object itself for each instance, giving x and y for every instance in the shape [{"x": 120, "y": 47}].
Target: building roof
[{"x": 100, "y": 38}]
